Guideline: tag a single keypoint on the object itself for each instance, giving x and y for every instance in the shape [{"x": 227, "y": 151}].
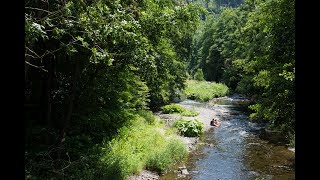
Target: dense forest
[
  {"x": 95, "y": 68},
  {"x": 251, "y": 49}
]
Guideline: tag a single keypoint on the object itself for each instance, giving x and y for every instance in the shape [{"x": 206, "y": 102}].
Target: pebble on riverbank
[
  {"x": 292, "y": 149},
  {"x": 145, "y": 175}
]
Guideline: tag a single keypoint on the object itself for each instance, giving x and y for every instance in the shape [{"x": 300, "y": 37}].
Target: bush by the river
[
  {"x": 175, "y": 108},
  {"x": 189, "y": 128}
]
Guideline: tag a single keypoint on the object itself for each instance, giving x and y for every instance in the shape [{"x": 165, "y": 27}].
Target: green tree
[
  {"x": 92, "y": 65},
  {"x": 251, "y": 49}
]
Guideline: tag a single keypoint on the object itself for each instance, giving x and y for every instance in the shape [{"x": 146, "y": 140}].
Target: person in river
[{"x": 215, "y": 123}]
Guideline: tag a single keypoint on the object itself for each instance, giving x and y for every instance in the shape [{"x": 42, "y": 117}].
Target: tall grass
[
  {"x": 204, "y": 90},
  {"x": 174, "y": 151},
  {"x": 141, "y": 145}
]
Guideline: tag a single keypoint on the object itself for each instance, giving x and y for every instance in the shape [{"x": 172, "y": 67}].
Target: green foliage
[
  {"x": 34, "y": 31},
  {"x": 175, "y": 108},
  {"x": 140, "y": 145},
  {"x": 189, "y": 128},
  {"x": 272, "y": 70},
  {"x": 246, "y": 86},
  {"x": 191, "y": 113},
  {"x": 205, "y": 91},
  {"x": 171, "y": 130},
  {"x": 125, "y": 154},
  {"x": 251, "y": 49},
  {"x": 99, "y": 63},
  {"x": 169, "y": 29},
  {"x": 199, "y": 75},
  {"x": 161, "y": 160},
  {"x": 216, "y": 43},
  {"x": 148, "y": 116}
]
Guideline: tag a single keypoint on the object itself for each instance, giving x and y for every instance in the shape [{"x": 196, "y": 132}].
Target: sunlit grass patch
[
  {"x": 141, "y": 145},
  {"x": 204, "y": 90}
]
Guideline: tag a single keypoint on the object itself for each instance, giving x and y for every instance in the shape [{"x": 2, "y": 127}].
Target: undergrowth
[{"x": 139, "y": 144}]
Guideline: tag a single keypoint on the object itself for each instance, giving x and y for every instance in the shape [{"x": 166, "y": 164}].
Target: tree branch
[
  {"x": 38, "y": 9},
  {"x": 26, "y": 54},
  {"x": 32, "y": 52},
  {"x": 38, "y": 67}
]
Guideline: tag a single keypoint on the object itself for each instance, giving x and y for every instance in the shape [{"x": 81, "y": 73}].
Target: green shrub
[
  {"x": 148, "y": 116},
  {"x": 204, "y": 90},
  {"x": 175, "y": 108},
  {"x": 191, "y": 113},
  {"x": 189, "y": 128},
  {"x": 199, "y": 75}
]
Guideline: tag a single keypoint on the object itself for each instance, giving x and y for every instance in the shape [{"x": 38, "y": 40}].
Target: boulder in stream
[{"x": 183, "y": 170}]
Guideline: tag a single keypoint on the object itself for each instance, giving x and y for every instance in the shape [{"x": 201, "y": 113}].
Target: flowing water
[{"x": 237, "y": 149}]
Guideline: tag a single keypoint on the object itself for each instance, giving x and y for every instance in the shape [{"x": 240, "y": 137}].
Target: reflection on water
[{"x": 237, "y": 151}]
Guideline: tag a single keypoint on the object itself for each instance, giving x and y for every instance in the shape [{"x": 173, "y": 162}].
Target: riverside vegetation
[{"x": 95, "y": 71}]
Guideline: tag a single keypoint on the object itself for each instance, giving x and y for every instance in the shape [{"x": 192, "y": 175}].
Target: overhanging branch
[{"x": 38, "y": 67}]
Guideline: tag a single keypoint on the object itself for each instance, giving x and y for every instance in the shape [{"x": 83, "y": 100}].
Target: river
[{"x": 237, "y": 149}]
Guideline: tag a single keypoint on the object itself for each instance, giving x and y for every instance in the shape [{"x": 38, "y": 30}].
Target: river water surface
[{"x": 237, "y": 149}]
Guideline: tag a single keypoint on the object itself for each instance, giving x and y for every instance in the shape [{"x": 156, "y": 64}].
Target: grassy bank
[
  {"x": 141, "y": 145},
  {"x": 204, "y": 90}
]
